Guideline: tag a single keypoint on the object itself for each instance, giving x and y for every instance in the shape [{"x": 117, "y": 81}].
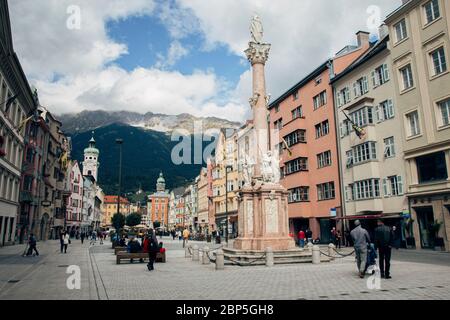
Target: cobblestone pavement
[{"x": 44, "y": 277}]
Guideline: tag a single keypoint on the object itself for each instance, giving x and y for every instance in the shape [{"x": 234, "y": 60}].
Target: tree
[
  {"x": 133, "y": 219},
  {"x": 118, "y": 221},
  {"x": 156, "y": 224}
]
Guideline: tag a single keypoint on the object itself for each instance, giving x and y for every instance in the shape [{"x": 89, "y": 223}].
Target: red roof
[{"x": 113, "y": 199}]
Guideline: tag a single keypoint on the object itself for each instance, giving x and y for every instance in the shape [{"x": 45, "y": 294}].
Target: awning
[
  {"x": 362, "y": 217},
  {"x": 373, "y": 216}
]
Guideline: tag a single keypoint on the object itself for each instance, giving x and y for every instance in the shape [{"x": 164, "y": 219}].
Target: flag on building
[{"x": 358, "y": 130}]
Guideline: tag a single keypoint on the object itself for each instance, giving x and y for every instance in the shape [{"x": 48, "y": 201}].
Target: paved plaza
[{"x": 416, "y": 275}]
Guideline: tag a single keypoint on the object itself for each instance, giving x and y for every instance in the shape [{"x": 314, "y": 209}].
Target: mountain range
[
  {"x": 92, "y": 120},
  {"x": 146, "y": 150}
]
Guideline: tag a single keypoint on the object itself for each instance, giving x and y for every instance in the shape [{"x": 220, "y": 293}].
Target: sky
[{"x": 176, "y": 56}]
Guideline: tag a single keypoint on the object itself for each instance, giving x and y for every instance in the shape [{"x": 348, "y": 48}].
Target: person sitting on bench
[{"x": 134, "y": 247}]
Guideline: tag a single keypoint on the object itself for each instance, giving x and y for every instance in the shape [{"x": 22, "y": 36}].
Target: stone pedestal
[{"x": 263, "y": 219}]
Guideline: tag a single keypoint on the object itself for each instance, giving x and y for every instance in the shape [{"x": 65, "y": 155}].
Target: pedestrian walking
[
  {"x": 61, "y": 240},
  {"x": 308, "y": 234},
  {"x": 383, "y": 242},
  {"x": 153, "y": 249},
  {"x": 361, "y": 240},
  {"x": 32, "y": 245},
  {"x": 301, "y": 239},
  {"x": 333, "y": 235},
  {"x": 338, "y": 239},
  {"x": 93, "y": 238},
  {"x": 82, "y": 236},
  {"x": 66, "y": 241},
  {"x": 100, "y": 235},
  {"x": 186, "y": 234}
]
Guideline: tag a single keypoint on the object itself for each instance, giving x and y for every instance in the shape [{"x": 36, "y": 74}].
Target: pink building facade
[{"x": 302, "y": 122}]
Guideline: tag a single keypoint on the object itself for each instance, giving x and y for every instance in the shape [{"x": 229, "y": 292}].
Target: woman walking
[{"x": 66, "y": 241}]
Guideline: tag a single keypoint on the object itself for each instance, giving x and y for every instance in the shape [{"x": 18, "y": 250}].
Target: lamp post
[
  {"x": 227, "y": 169},
  {"x": 120, "y": 143}
]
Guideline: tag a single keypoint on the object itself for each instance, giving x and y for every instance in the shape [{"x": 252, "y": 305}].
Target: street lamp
[
  {"x": 228, "y": 168},
  {"x": 120, "y": 143}
]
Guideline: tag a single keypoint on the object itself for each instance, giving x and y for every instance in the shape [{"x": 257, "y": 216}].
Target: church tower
[
  {"x": 160, "y": 183},
  {"x": 90, "y": 163}
]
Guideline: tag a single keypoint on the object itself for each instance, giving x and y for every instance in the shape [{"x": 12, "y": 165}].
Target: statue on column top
[{"x": 256, "y": 29}]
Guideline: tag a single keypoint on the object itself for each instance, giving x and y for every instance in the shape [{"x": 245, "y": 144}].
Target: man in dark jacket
[
  {"x": 383, "y": 241},
  {"x": 134, "y": 247}
]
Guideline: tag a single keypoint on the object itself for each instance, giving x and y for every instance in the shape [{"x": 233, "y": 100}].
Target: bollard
[
  {"x": 269, "y": 257},
  {"x": 195, "y": 256},
  {"x": 315, "y": 254},
  {"x": 331, "y": 248},
  {"x": 309, "y": 246},
  {"x": 220, "y": 262},
  {"x": 205, "y": 258},
  {"x": 187, "y": 254}
]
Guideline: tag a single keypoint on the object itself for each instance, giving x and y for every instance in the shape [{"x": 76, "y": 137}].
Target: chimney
[
  {"x": 383, "y": 31},
  {"x": 363, "y": 38}
]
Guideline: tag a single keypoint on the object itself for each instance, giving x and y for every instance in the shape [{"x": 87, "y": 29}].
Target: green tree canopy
[
  {"x": 133, "y": 219},
  {"x": 118, "y": 221}
]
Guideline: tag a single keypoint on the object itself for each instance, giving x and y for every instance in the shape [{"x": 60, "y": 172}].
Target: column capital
[{"x": 258, "y": 52}]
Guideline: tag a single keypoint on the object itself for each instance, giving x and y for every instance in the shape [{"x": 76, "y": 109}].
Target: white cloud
[
  {"x": 303, "y": 34},
  {"x": 176, "y": 52}
]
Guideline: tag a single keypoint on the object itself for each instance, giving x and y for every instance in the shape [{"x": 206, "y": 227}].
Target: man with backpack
[{"x": 153, "y": 249}]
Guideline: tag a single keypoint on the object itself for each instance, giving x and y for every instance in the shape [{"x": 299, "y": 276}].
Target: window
[
  {"x": 413, "y": 124},
  {"x": 299, "y": 164},
  {"x": 300, "y": 194},
  {"x": 393, "y": 186},
  {"x": 361, "y": 87},
  {"x": 278, "y": 124},
  {"x": 389, "y": 147},
  {"x": 295, "y": 96},
  {"x": 297, "y": 113},
  {"x": 439, "y": 61},
  {"x": 325, "y": 191},
  {"x": 324, "y": 159},
  {"x": 400, "y": 30},
  {"x": 362, "y": 117},
  {"x": 320, "y": 100},
  {"x": 432, "y": 10},
  {"x": 277, "y": 108},
  {"x": 380, "y": 75},
  {"x": 349, "y": 158},
  {"x": 361, "y": 153},
  {"x": 366, "y": 189},
  {"x": 345, "y": 128},
  {"x": 343, "y": 96},
  {"x": 407, "y": 77},
  {"x": 385, "y": 111},
  {"x": 322, "y": 129},
  {"x": 432, "y": 167},
  {"x": 295, "y": 137},
  {"x": 444, "y": 108}
]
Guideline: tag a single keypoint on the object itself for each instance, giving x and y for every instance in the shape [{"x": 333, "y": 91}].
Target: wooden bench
[
  {"x": 119, "y": 249},
  {"x": 160, "y": 257}
]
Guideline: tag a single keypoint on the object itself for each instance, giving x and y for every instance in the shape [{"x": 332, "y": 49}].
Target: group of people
[
  {"x": 181, "y": 235},
  {"x": 149, "y": 245},
  {"x": 304, "y": 237},
  {"x": 365, "y": 249}
]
